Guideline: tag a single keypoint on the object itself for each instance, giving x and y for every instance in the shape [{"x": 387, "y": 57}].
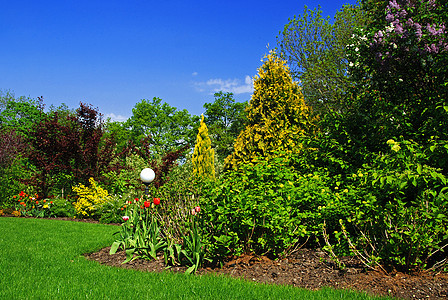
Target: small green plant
[
  {"x": 194, "y": 250},
  {"x": 62, "y": 207}
]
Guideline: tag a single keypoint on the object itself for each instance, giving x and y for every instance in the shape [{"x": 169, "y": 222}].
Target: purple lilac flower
[
  {"x": 403, "y": 13},
  {"x": 418, "y": 31},
  {"x": 394, "y": 4},
  {"x": 399, "y": 29},
  {"x": 389, "y": 17},
  {"x": 434, "y": 48},
  {"x": 431, "y": 29},
  {"x": 431, "y": 48}
]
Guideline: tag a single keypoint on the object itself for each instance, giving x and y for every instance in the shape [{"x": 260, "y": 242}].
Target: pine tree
[
  {"x": 203, "y": 155},
  {"x": 277, "y": 116}
]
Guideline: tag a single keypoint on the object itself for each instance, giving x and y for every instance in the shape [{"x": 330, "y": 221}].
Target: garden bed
[{"x": 310, "y": 269}]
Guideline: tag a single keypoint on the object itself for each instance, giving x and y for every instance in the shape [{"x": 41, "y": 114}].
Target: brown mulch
[{"x": 310, "y": 269}]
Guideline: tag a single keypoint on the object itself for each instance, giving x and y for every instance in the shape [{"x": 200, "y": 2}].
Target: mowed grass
[{"x": 42, "y": 259}]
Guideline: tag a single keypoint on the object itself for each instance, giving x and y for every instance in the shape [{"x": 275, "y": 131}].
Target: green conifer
[
  {"x": 203, "y": 156},
  {"x": 277, "y": 116}
]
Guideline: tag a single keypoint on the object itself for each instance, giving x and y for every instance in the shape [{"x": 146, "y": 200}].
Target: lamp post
[{"x": 147, "y": 175}]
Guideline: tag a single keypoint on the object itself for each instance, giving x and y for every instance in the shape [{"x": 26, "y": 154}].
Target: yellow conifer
[
  {"x": 277, "y": 115},
  {"x": 203, "y": 155}
]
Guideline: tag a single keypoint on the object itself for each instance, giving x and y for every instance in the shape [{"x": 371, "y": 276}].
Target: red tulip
[
  {"x": 156, "y": 201},
  {"x": 147, "y": 204},
  {"x": 125, "y": 218},
  {"x": 197, "y": 209}
]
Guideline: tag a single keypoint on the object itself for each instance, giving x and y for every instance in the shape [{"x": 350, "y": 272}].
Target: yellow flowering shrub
[{"x": 89, "y": 197}]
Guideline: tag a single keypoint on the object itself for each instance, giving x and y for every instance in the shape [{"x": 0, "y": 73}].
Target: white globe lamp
[{"x": 147, "y": 176}]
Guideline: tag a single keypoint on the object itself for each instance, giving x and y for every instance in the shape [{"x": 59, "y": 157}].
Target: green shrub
[
  {"x": 269, "y": 208},
  {"x": 404, "y": 223},
  {"x": 113, "y": 209},
  {"x": 62, "y": 207},
  {"x": 11, "y": 177}
]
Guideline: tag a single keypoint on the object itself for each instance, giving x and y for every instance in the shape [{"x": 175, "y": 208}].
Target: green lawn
[{"x": 42, "y": 259}]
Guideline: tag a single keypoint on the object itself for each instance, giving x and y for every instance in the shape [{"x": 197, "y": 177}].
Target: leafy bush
[
  {"x": 403, "y": 224},
  {"x": 127, "y": 180},
  {"x": 90, "y": 198},
  {"x": 113, "y": 209},
  {"x": 62, "y": 207},
  {"x": 269, "y": 208}
]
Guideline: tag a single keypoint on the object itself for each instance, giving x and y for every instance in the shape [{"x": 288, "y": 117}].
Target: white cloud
[
  {"x": 194, "y": 74},
  {"x": 115, "y": 118},
  {"x": 227, "y": 86}
]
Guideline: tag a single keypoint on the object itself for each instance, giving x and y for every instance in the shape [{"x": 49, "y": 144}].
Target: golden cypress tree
[
  {"x": 277, "y": 115},
  {"x": 203, "y": 155}
]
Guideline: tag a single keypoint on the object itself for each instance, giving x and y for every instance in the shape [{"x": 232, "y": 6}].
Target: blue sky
[{"x": 111, "y": 54}]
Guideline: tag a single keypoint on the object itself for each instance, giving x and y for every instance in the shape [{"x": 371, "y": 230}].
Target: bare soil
[{"x": 308, "y": 268}]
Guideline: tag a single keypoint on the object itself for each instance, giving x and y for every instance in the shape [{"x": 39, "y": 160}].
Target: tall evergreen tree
[
  {"x": 277, "y": 115},
  {"x": 203, "y": 155}
]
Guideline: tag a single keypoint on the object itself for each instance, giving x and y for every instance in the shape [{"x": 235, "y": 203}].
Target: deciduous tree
[
  {"x": 315, "y": 49},
  {"x": 168, "y": 128},
  {"x": 225, "y": 119}
]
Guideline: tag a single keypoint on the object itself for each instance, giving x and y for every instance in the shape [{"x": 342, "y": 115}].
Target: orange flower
[
  {"x": 37, "y": 202},
  {"x": 122, "y": 208},
  {"x": 51, "y": 202},
  {"x": 45, "y": 201}
]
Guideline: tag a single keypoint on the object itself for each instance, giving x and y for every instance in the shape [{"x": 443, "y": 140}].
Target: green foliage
[
  {"x": 269, "y": 208},
  {"x": 203, "y": 156},
  {"x": 403, "y": 223},
  {"x": 127, "y": 180},
  {"x": 225, "y": 119},
  {"x": 146, "y": 231},
  {"x": 62, "y": 207},
  {"x": 194, "y": 250},
  {"x": 167, "y": 127},
  {"x": 315, "y": 49},
  {"x": 112, "y": 210},
  {"x": 277, "y": 116},
  {"x": 20, "y": 113},
  {"x": 11, "y": 176}
]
